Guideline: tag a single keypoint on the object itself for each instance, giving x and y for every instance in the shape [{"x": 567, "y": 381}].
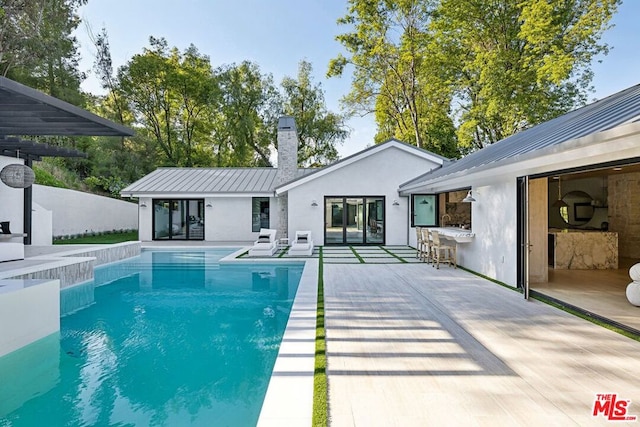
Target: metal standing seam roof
[
  {"x": 26, "y": 111},
  {"x": 207, "y": 181},
  {"x": 619, "y": 108}
]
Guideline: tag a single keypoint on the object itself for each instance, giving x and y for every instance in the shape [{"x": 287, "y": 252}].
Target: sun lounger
[
  {"x": 266, "y": 244},
  {"x": 302, "y": 245}
]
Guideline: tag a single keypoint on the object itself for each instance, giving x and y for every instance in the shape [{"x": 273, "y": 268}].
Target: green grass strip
[
  {"x": 283, "y": 251},
  {"x": 402, "y": 260},
  {"x": 562, "y": 307},
  {"x": 100, "y": 239},
  {"x": 357, "y": 255},
  {"x": 320, "y": 389}
]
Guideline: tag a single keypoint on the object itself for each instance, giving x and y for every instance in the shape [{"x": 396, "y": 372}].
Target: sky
[{"x": 278, "y": 34}]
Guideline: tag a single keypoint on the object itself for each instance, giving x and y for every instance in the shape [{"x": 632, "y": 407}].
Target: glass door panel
[
  {"x": 161, "y": 222},
  {"x": 374, "y": 220},
  {"x": 354, "y": 221},
  {"x": 178, "y": 219},
  {"x": 334, "y": 220},
  {"x": 196, "y": 219}
]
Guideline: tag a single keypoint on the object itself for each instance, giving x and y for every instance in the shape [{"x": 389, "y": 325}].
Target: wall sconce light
[
  {"x": 395, "y": 203},
  {"x": 209, "y": 205},
  {"x": 143, "y": 205},
  {"x": 314, "y": 203},
  {"x": 469, "y": 198}
]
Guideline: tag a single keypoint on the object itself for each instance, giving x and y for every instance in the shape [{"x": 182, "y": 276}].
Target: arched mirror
[{"x": 579, "y": 209}]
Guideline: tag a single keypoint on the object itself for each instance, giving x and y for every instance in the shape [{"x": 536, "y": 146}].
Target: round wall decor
[{"x": 17, "y": 176}]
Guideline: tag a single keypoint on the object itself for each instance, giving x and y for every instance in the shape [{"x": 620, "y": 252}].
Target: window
[
  {"x": 423, "y": 210},
  {"x": 259, "y": 213},
  {"x": 178, "y": 219}
]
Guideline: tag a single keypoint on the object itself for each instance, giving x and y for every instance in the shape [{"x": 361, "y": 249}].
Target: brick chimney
[{"x": 287, "y": 167}]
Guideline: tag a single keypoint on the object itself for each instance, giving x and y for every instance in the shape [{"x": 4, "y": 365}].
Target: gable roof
[
  {"x": 26, "y": 111},
  {"x": 620, "y": 108},
  {"x": 391, "y": 143},
  {"x": 205, "y": 181}
]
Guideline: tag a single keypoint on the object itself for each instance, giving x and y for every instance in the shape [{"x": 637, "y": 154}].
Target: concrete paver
[{"x": 409, "y": 345}]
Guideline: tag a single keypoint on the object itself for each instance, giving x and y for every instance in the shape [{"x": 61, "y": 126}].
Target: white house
[
  {"x": 561, "y": 196},
  {"x": 352, "y": 201}
]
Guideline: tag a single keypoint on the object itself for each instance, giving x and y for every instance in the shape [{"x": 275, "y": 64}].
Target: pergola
[{"x": 28, "y": 112}]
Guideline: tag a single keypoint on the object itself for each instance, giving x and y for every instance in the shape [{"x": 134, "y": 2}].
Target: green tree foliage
[
  {"x": 168, "y": 93},
  {"x": 37, "y": 47},
  {"x": 398, "y": 73},
  {"x": 518, "y": 63},
  {"x": 319, "y": 130},
  {"x": 504, "y": 65},
  {"x": 246, "y": 108}
]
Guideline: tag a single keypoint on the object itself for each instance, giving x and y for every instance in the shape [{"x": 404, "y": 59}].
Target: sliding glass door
[
  {"x": 354, "y": 220},
  {"x": 178, "y": 220}
]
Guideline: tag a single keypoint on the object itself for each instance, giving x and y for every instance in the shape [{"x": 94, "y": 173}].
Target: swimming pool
[{"x": 157, "y": 345}]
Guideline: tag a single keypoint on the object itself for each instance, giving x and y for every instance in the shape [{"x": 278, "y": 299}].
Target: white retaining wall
[{"x": 75, "y": 212}]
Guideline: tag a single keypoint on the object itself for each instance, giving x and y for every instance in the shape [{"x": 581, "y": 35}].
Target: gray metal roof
[
  {"x": 206, "y": 181},
  {"x": 619, "y": 108},
  {"x": 26, "y": 111}
]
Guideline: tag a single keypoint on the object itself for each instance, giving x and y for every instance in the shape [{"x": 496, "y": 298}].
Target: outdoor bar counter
[{"x": 460, "y": 235}]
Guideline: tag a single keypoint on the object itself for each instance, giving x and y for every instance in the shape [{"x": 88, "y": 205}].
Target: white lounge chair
[
  {"x": 266, "y": 244},
  {"x": 302, "y": 245}
]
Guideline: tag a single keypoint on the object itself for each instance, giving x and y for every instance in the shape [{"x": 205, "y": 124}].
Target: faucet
[{"x": 442, "y": 223}]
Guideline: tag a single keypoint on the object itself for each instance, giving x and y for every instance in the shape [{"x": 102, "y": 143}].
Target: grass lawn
[{"x": 101, "y": 239}]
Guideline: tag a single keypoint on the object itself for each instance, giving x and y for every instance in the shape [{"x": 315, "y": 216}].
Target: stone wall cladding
[
  {"x": 624, "y": 212},
  {"x": 287, "y": 167}
]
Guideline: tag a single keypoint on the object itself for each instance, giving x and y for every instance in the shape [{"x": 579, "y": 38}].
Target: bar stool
[
  {"x": 428, "y": 244},
  {"x": 419, "y": 244},
  {"x": 442, "y": 251}
]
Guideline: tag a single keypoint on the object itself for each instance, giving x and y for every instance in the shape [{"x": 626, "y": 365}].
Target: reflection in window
[
  {"x": 259, "y": 213},
  {"x": 423, "y": 207}
]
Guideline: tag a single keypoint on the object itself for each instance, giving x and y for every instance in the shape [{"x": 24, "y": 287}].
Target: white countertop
[{"x": 460, "y": 235}]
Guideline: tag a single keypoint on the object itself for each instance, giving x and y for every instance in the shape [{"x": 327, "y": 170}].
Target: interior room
[{"x": 593, "y": 236}]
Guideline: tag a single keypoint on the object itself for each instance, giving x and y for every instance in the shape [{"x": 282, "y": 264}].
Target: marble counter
[{"x": 583, "y": 250}]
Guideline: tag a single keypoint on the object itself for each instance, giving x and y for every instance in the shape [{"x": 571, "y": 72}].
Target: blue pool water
[{"x": 172, "y": 338}]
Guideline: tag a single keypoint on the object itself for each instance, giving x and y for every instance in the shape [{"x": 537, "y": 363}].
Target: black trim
[
  {"x": 436, "y": 209},
  {"x": 344, "y": 221},
  {"x": 586, "y": 168},
  {"x": 585, "y": 312},
  {"x": 187, "y": 214}
]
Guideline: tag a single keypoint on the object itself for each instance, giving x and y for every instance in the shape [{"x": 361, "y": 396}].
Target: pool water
[{"x": 178, "y": 339}]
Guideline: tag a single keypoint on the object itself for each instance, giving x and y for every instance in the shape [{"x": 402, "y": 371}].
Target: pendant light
[{"x": 560, "y": 203}]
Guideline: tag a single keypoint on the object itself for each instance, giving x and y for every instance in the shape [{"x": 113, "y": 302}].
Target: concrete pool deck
[{"x": 409, "y": 345}]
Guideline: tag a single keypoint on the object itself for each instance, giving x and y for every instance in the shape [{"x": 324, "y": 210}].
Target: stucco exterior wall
[
  {"x": 379, "y": 174},
  {"x": 493, "y": 251},
  {"x": 228, "y": 219},
  {"x": 75, "y": 212},
  {"x": 11, "y": 200}
]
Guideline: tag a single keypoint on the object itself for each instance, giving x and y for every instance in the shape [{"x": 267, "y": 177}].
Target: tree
[
  {"x": 397, "y": 74},
  {"x": 492, "y": 68},
  {"x": 37, "y": 47},
  {"x": 246, "y": 108},
  {"x": 517, "y": 64},
  {"x": 169, "y": 95},
  {"x": 319, "y": 130}
]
